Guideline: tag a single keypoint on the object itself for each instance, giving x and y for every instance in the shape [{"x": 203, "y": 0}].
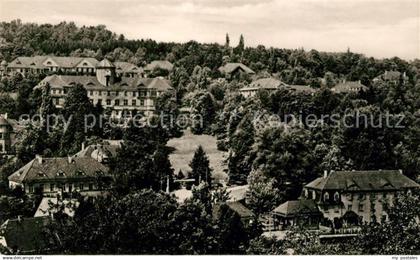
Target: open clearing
[{"x": 185, "y": 147}]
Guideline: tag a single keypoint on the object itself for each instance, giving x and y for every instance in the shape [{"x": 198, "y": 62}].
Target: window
[
  {"x": 336, "y": 196},
  {"x": 361, "y": 207},
  {"x": 134, "y": 102},
  {"x": 81, "y": 186},
  {"x": 326, "y": 196},
  {"x": 117, "y": 93},
  {"x": 91, "y": 92},
  {"x": 125, "y": 93},
  {"x": 108, "y": 102},
  {"x": 349, "y": 207},
  {"x": 31, "y": 189},
  {"x": 141, "y": 102},
  {"x": 117, "y": 102},
  {"x": 52, "y": 187},
  {"x": 99, "y": 93},
  {"x": 125, "y": 102},
  {"x": 134, "y": 93},
  {"x": 108, "y": 93},
  {"x": 100, "y": 101},
  {"x": 153, "y": 93},
  {"x": 90, "y": 186}
]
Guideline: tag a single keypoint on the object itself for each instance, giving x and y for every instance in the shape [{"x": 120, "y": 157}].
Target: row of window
[
  {"x": 52, "y": 187},
  {"x": 124, "y": 102},
  {"x": 152, "y": 93}
]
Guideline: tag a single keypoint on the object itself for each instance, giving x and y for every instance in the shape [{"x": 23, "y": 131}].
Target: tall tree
[{"x": 200, "y": 167}]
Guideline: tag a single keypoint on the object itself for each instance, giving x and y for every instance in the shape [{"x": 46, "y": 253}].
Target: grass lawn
[{"x": 185, "y": 147}]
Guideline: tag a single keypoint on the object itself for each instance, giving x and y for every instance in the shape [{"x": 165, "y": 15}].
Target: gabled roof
[
  {"x": 264, "y": 83},
  {"x": 363, "y": 181},
  {"x": 58, "y": 168},
  {"x": 349, "y": 86},
  {"x": 44, "y": 209},
  {"x": 293, "y": 208},
  {"x": 99, "y": 150},
  {"x": 25, "y": 235},
  {"x": 302, "y": 88},
  {"x": 122, "y": 67},
  {"x": 105, "y": 63},
  {"x": 228, "y": 68},
  {"x": 239, "y": 208},
  {"x": 39, "y": 61},
  {"x": 159, "y": 64},
  {"x": 28, "y": 62}
]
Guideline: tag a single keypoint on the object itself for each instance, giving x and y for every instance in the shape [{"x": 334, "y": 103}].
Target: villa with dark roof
[
  {"x": 235, "y": 70},
  {"x": 123, "y": 95},
  {"x": 62, "y": 174},
  {"x": 365, "y": 193},
  {"x": 392, "y": 76}
]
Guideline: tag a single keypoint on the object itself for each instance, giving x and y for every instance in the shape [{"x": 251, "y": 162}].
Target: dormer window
[
  {"x": 49, "y": 63},
  {"x": 60, "y": 174},
  {"x": 326, "y": 196},
  {"x": 85, "y": 64},
  {"x": 32, "y": 64}
]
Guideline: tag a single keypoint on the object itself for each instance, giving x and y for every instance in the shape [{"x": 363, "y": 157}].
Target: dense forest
[{"x": 275, "y": 157}]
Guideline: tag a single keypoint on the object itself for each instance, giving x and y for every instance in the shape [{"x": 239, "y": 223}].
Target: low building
[
  {"x": 46, "y": 64},
  {"x": 49, "y": 206},
  {"x": 392, "y": 76},
  {"x": 25, "y": 235},
  {"x": 364, "y": 193},
  {"x": 3, "y": 68},
  {"x": 266, "y": 84},
  {"x": 302, "y": 213},
  {"x": 235, "y": 70},
  {"x": 126, "y": 69},
  {"x": 246, "y": 215},
  {"x": 6, "y": 131},
  {"x": 349, "y": 87},
  {"x": 54, "y": 176},
  {"x": 100, "y": 152},
  {"x": 158, "y": 65},
  {"x": 124, "y": 96},
  {"x": 271, "y": 85}
]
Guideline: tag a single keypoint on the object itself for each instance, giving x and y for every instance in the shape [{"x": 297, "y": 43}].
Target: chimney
[
  {"x": 5, "y": 116},
  {"x": 39, "y": 158},
  {"x": 70, "y": 159},
  {"x": 401, "y": 171},
  {"x": 19, "y": 219},
  {"x": 325, "y": 173},
  {"x": 83, "y": 146},
  {"x": 359, "y": 81}
]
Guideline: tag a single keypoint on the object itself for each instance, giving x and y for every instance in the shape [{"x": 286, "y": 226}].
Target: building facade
[
  {"x": 55, "y": 176},
  {"x": 362, "y": 193},
  {"x": 124, "y": 96}
]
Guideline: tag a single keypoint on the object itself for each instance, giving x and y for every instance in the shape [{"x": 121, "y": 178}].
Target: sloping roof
[
  {"x": 25, "y": 235},
  {"x": 99, "y": 150},
  {"x": 302, "y": 88},
  {"x": 105, "y": 63},
  {"x": 58, "y": 168},
  {"x": 237, "y": 193},
  {"x": 38, "y": 61},
  {"x": 92, "y": 83},
  {"x": 122, "y": 67},
  {"x": 3, "y": 63},
  {"x": 228, "y": 68},
  {"x": 239, "y": 208},
  {"x": 161, "y": 64},
  {"x": 264, "y": 83},
  {"x": 349, "y": 86},
  {"x": 44, "y": 208},
  {"x": 293, "y": 208},
  {"x": 363, "y": 181},
  {"x": 28, "y": 62}
]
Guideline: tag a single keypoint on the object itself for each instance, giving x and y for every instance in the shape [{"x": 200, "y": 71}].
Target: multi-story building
[
  {"x": 65, "y": 65},
  {"x": 163, "y": 65},
  {"x": 365, "y": 193},
  {"x": 123, "y": 95},
  {"x": 52, "y": 176},
  {"x": 391, "y": 76}
]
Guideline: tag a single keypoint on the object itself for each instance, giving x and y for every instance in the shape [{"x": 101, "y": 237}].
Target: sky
[{"x": 378, "y": 28}]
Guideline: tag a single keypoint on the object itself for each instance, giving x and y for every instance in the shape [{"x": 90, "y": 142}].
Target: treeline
[{"x": 294, "y": 66}]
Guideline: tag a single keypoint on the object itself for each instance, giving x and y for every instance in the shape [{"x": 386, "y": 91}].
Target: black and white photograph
[{"x": 209, "y": 127}]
